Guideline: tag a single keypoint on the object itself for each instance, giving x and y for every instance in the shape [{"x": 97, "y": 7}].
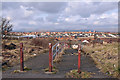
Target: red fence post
[
  {"x": 79, "y": 57},
  {"x": 21, "y": 57},
  {"x": 57, "y": 51},
  {"x": 50, "y": 57},
  {"x": 64, "y": 45}
]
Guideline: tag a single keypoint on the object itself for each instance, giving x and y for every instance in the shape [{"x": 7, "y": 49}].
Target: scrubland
[
  {"x": 31, "y": 48},
  {"x": 105, "y": 57}
]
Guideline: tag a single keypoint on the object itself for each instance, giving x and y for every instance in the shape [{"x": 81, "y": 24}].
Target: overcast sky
[{"x": 46, "y": 16}]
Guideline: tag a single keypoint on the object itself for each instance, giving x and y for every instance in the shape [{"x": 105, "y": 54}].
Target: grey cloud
[
  {"x": 106, "y": 6},
  {"x": 86, "y": 9},
  {"x": 52, "y": 18},
  {"x": 49, "y": 7},
  {"x": 10, "y": 5},
  {"x": 46, "y": 14}
]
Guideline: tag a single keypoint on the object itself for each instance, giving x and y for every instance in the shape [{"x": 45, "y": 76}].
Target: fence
[
  {"x": 55, "y": 51},
  {"x": 58, "y": 48}
]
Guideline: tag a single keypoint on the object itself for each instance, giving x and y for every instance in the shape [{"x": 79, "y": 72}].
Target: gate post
[
  {"x": 50, "y": 57},
  {"x": 79, "y": 58},
  {"x": 21, "y": 57}
]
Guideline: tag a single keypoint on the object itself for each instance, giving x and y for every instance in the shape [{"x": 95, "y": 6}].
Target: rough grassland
[
  {"x": 105, "y": 57},
  {"x": 75, "y": 74},
  {"x": 12, "y": 57}
]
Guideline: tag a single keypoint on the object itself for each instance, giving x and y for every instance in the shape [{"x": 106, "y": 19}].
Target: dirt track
[{"x": 69, "y": 62}]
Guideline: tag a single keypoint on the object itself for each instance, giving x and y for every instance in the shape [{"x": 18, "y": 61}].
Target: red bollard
[
  {"x": 21, "y": 57},
  {"x": 50, "y": 57},
  {"x": 64, "y": 45},
  {"x": 79, "y": 58},
  {"x": 57, "y": 51},
  {"x": 67, "y": 45},
  {"x": 28, "y": 38}
]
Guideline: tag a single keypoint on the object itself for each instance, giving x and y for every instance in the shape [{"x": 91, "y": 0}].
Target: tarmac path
[{"x": 69, "y": 62}]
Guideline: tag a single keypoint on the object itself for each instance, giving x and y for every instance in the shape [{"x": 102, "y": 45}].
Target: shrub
[
  {"x": 42, "y": 42},
  {"x": 10, "y": 46}
]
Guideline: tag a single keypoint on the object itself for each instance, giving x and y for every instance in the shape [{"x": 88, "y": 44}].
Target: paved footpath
[{"x": 69, "y": 62}]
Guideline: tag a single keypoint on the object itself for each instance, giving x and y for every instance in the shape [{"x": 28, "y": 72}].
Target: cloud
[
  {"x": 32, "y": 23},
  {"x": 67, "y": 19},
  {"x": 48, "y": 7},
  {"x": 73, "y": 18},
  {"x": 85, "y": 9},
  {"x": 8, "y": 18},
  {"x": 56, "y": 23},
  {"x": 62, "y": 15},
  {"x": 96, "y": 22},
  {"x": 26, "y": 10}
]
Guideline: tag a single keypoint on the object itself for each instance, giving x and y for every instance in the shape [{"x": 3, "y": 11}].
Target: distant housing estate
[{"x": 106, "y": 36}]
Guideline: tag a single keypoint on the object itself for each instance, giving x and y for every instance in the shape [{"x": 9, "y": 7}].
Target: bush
[
  {"x": 42, "y": 42},
  {"x": 10, "y": 46}
]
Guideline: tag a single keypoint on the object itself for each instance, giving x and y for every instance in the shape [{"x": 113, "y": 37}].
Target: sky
[{"x": 56, "y": 16}]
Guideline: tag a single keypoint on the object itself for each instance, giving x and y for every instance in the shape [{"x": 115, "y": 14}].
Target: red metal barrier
[
  {"x": 21, "y": 57},
  {"x": 57, "y": 51},
  {"x": 79, "y": 57},
  {"x": 53, "y": 53},
  {"x": 68, "y": 45},
  {"x": 64, "y": 44},
  {"x": 50, "y": 57}
]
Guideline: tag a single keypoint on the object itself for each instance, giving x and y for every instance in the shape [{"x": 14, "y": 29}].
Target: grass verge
[{"x": 75, "y": 74}]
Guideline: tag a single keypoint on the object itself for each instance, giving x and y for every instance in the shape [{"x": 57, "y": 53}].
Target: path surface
[{"x": 69, "y": 62}]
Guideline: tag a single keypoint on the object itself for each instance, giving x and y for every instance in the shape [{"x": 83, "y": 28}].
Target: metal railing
[
  {"x": 54, "y": 51},
  {"x": 58, "y": 47}
]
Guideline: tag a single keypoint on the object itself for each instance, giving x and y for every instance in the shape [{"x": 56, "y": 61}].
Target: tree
[{"x": 6, "y": 27}]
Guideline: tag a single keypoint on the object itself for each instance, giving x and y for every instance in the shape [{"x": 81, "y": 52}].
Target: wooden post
[
  {"x": 21, "y": 57},
  {"x": 50, "y": 57},
  {"x": 79, "y": 58}
]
